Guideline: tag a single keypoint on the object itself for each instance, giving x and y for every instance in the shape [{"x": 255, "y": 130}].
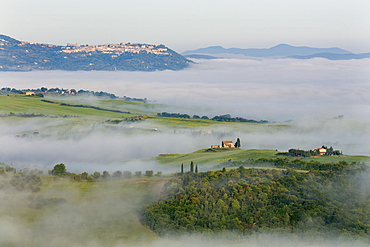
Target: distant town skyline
[{"x": 185, "y": 25}]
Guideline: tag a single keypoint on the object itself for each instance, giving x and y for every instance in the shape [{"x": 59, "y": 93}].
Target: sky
[{"x": 186, "y": 25}]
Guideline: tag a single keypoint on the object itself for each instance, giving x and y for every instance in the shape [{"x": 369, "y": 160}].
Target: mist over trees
[{"x": 259, "y": 200}]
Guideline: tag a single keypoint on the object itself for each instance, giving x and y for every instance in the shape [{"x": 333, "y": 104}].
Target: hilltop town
[
  {"x": 117, "y": 49},
  {"x": 18, "y": 55}
]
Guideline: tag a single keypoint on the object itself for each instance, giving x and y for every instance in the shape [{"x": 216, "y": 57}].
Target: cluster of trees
[
  {"x": 308, "y": 153},
  {"x": 86, "y": 106},
  {"x": 61, "y": 171},
  {"x": 29, "y": 180},
  {"x": 96, "y": 94},
  {"x": 288, "y": 163},
  {"x": 128, "y": 119},
  {"x": 8, "y": 90},
  {"x": 191, "y": 170},
  {"x": 26, "y": 115},
  {"x": 173, "y": 115},
  {"x": 23, "y": 181},
  {"x": 61, "y": 91},
  {"x": 145, "y": 100},
  {"x": 331, "y": 151},
  {"x": 249, "y": 200},
  {"x": 228, "y": 118},
  {"x": 221, "y": 118}
]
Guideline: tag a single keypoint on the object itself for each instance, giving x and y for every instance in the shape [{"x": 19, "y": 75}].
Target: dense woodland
[
  {"x": 287, "y": 163},
  {"x": 244, "y": 201},
  {"x": 330, "y": 198}
]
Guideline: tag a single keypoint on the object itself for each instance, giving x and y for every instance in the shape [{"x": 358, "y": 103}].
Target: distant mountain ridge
[
  {"x": 333, "y": 56},
  {"x": 24, "y": 56},
  {"x": 282, "y": 50}
]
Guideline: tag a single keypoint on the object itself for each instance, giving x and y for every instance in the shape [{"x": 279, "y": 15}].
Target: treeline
[
  {"x": 60, "y": 170},
  {"x": 86, "y": 106},
  {"x": 23, "y": 180},
  {"x": 60, "y": 91},
  {"x": 128, "y": 119},
  {"x": 263, "y": 200},
  {"x": 57, "y": 91},
  {"x": 228, "y": 118},
  {"x": 36, "y": 115},
  {"x": 221, "y": 118},
  {"x": 31, "y": 179},
  {"x": 288, "y": 163},
  {"x": 308, "y": 153}
]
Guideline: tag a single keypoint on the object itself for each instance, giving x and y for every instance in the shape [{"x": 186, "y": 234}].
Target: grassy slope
[
  {"x": 204, "y": 124},
  {"x": 184, "y": 123},
  {"x": 204, "y": 157},
  {"x": 21, "y": 104},
  {"x": 29, "y": 104}
]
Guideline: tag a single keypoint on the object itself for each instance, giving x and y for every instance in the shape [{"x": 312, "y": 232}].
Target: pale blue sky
[{"x": 190, "y": 24}]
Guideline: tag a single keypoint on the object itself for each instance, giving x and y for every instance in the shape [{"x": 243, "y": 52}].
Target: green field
[
  {"x": 61, "y": 114},
  {"x": 35, "y": 105},
  {"x": 214, "y": 157}
]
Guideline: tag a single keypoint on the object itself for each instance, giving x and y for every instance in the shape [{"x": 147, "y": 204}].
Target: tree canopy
[
  {"x": 249, "y": 200},
  {"x": 59, "y": 170}
]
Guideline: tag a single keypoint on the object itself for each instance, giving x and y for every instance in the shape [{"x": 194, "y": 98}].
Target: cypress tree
[
  {"x": 196, "y": 169},
  {"x": 237, "y": 143},
  {"x": 192, "y": 167},
  {"x": 182, "y": 168}
]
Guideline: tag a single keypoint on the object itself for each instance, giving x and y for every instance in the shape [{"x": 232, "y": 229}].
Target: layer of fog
[
  {"x": 310, "y": 92},
  {"x": 272, "y": 89},
  {"x": 107, "y": 215},
  {"x": 94, "y": 147},
  {"x": 107, "y": 212}
]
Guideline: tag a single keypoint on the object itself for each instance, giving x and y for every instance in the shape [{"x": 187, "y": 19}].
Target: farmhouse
[
  {"x": 30, "y": 93},
  {"x": 322, "y": 151},
  {"x": 224, "y": 144}
]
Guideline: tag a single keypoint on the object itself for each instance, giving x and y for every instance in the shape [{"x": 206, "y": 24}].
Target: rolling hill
[{"x": 24, "y": 56}]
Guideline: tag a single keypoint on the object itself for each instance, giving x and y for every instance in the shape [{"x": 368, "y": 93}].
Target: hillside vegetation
[
  {"x": 59, "y": 211},
  {"x": 88, "y": 111},
  {"x": 331, "y": 202},
  {"x": 235, "y": 157},
  {"x": 24, "y": 56}
]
